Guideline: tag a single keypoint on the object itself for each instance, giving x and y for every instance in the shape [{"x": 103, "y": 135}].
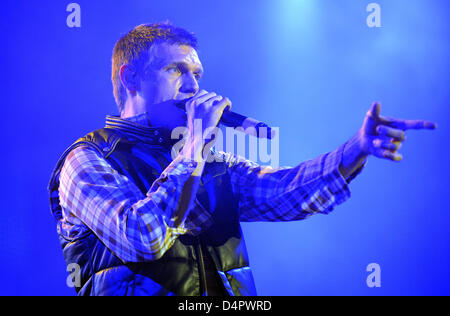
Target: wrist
[
  {"x": 353, "y": 156},
  {"x": 195, "y": 149}
]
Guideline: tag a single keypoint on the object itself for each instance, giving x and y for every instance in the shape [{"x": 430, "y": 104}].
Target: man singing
[{"x": 137, "y": 221}]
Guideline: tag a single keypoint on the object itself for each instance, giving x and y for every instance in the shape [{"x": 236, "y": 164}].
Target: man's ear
[{"x": 129, "y": 78}]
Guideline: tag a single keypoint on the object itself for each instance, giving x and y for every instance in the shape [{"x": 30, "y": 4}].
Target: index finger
[{"x": 409, "y": 124}]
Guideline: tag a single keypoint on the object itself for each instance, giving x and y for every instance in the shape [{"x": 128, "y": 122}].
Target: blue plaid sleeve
[
  {"x": 288, "y": 193},
  {"x": 135, "y": 227}
]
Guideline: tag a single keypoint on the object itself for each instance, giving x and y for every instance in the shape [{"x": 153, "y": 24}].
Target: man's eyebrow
[{"x": 184, "y": 65}]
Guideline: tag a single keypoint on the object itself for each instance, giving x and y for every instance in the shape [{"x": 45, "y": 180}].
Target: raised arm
[{"x": 288, "y": 193}]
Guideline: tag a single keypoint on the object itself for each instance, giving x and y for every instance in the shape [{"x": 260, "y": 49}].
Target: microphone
[{"x": 250, "y": 125}]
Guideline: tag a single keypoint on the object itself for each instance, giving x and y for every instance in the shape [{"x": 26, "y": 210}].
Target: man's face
[{"x": 171, "y": 73}]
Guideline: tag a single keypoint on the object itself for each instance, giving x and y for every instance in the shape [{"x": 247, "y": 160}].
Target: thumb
[
  {"x": 375, "y": 110},
  {"x": 371, "y": 119}
]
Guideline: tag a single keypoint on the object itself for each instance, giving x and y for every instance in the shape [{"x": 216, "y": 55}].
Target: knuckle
[
  {"x": 220, "y": 100},
  {"x": 376, "y": 142},
  {"x": 194, "y": 102},
  {"x": 380, "y": 129},
  {"x": 226, "y": 101}
]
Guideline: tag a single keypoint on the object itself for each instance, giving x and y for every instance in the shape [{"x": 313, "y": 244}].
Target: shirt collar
[
  {"x": 138, "y": 127},
  {"x": 141, "y": 119}
]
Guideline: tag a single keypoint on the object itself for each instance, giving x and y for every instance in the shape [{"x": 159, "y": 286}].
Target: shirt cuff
[
  {"x": 337, "y": 185},
  {"x": 181, "y": 168},
  {"x": 181, "y": 165}
]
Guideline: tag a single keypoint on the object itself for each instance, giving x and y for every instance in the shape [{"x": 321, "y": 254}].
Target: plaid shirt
[{"x": 137, "y": 227}]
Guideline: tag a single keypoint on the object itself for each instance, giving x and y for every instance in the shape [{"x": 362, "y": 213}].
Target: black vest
[{"x": 181, "y": 270}]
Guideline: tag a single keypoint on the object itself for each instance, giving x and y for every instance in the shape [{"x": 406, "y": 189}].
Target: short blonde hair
[{"x": 132, "y": 48}]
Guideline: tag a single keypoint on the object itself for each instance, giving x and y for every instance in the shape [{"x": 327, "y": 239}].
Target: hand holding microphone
[
  {"x": 207, "y": 107},
  {"x": 221, "y": 113}
]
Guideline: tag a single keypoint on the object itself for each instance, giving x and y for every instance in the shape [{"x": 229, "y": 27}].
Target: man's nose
[{"x": 189, "y": 84}]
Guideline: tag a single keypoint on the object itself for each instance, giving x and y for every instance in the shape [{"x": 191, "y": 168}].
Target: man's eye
[{"x": 173, "y": 70}]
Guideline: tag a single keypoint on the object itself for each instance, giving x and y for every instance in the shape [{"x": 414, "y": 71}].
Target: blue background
[{"x": 311, "y": 68}]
